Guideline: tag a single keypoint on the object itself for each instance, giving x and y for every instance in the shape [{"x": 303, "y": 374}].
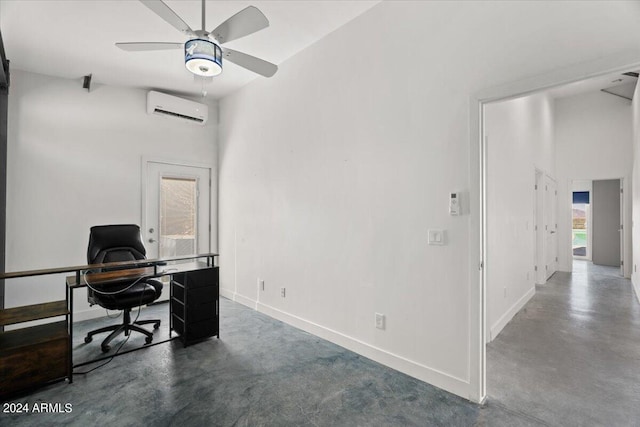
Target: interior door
[
  {"x": 551, "y": 225},
  {"x": 176, "y": 218},
  {"x": 606, "y": 215}
]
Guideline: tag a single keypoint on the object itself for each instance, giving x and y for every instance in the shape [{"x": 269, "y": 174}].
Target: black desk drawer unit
[{"x": 195, "y": 309}]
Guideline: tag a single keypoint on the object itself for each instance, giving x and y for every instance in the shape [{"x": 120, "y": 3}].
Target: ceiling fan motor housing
[{"x": 203, "y": 57}]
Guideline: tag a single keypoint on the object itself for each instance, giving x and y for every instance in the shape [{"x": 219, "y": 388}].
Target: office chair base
[{"x": 125, "y": 327}]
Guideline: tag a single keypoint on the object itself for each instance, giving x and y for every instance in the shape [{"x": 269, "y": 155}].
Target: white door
[
  {"x": 550, "y": 226},
  {"x": 176, "y": 218},
  {"x": 621, "y": 230}
]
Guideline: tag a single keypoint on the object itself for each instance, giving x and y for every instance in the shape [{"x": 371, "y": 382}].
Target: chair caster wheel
[
  {"x": 88, "y": 339},
  {"x": 156, "y": 325},
  {"x": 105, "y": 348},
  {"x": 148, "y": 340}
]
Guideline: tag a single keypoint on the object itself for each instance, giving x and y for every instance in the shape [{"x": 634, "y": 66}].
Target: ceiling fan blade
[
  {"x": 251, "y": 63},
  {"x": 165, "y": 12},
  {"x": 243, "y": 23},
  {"x": 136, "y": 47}
]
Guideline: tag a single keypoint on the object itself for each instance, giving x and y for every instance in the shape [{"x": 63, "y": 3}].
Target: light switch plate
[{"x": 436, "y": 237}]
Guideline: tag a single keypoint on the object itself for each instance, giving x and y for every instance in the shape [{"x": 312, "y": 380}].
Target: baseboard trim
[
  {"x": 424, "y": 373},
  {"x": 506, "y": 318},
  {"x": 234, "y": 296}
]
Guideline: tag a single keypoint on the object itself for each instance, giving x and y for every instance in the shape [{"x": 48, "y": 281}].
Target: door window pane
[{"x": 178, "y": 216}]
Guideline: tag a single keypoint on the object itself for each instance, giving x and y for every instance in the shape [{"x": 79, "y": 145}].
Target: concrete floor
[{"x": 569, "y": 358}]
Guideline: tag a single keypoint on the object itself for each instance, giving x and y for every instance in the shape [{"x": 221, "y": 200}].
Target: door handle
[
  {"x": 552, "y": 232},
  {"x": 152, "y": 240}
]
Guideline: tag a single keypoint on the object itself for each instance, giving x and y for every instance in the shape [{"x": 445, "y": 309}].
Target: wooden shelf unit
[{"x": 34, "y": 355}]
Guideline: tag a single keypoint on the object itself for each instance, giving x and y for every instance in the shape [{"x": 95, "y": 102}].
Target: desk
[{"x": 34, "y": 356}]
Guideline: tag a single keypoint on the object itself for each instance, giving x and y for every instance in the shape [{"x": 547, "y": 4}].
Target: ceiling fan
[{"x": 203, "y": 54}]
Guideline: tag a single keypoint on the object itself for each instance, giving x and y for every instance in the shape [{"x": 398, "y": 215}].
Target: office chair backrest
[{"x": 114, "y": 243}]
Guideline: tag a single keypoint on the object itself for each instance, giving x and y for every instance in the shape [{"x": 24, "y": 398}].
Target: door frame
[
  {"x": 478, "y": 256},
  {"x": 621, "y": 229},
  {"x": 143, "y": 186},
  {"x": 552, "y": 209},
  {"x": 538, "y": 219}
]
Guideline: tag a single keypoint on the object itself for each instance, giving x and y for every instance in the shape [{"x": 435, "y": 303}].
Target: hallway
[{"x": 571, "y": 357}]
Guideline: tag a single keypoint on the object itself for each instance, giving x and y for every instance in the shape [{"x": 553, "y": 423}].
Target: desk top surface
[
  {"x": 107, "y": 277},
  {"x": 132, "y": 264}
]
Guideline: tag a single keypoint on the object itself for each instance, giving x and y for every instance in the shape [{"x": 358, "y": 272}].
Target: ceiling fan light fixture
[{"x": 203, "y": 57}]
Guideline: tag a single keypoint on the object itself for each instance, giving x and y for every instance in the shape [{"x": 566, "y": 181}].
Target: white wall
[
  {"x": 332, "y": 171},
  {"x": 593, "y": 134},
  {"x": 519, "y": 136},
  {"x": 635, "y": 120},
  {"x": 74, "y": 161}
]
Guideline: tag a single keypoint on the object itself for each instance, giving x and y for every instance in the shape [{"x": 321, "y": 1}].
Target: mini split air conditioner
[{"x": 177, "y": 108}]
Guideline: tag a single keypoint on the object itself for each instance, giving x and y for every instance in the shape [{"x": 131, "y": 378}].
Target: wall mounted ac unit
[{"x": 178, "y": 108}]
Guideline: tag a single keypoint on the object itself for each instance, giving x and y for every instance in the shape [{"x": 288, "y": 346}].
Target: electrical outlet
[
  {"x": 282, "y": 292},
  {"x": 262, "y": 285},
  {"x": 379, "y": 321}
]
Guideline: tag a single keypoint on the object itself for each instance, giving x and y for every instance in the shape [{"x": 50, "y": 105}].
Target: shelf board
[
  {"x": 17, "y": 338},
  {"x": 27, "y": 313}
]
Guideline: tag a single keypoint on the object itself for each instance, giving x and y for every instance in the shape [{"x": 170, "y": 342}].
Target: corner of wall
[{"x": 499, "y": 325}]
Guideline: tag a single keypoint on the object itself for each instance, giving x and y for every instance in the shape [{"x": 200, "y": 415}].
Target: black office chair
[{"x": 114, "y": 243}]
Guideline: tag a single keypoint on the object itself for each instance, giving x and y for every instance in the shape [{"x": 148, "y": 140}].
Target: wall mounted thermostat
[{"x": 454, "y": 204}]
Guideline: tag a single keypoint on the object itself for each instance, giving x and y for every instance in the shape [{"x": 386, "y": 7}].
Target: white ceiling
[{"x": 74, "y": 38}]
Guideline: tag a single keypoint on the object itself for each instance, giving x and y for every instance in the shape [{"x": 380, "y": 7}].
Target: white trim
[
  {"x": 424, "y": 373},
  {"x": 636, "y": 288},
  {"x": 622, "y": 62},
  {"x": 146, "y": 159},
  {"x": 234, "y": 296},
  {"x": 506, "y": 318}
]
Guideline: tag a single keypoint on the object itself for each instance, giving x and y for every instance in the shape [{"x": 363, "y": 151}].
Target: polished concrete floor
[{"x": 569, "y": 358}]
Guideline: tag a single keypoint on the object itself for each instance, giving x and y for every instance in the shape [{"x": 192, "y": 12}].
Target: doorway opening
[
  {"x": 581, "y": 221},
  {"x": 514, "y": 225}
]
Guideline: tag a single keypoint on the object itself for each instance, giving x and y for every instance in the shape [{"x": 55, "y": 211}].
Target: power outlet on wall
[
  {"x": 282, "y": 292},
  {"x": 379, "y": 321},
  {"x": 262, "y": 285}
]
